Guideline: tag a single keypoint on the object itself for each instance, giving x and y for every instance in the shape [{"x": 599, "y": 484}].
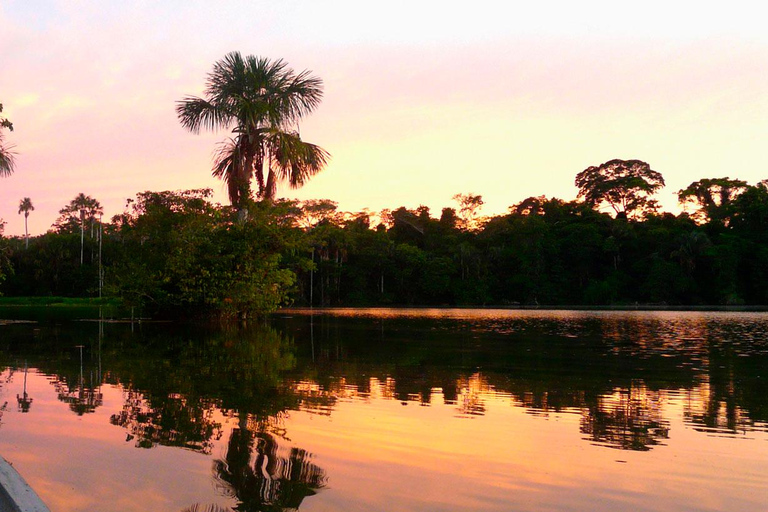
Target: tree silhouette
[
  {"x": 713, "y": 198},
  {"x": 262, "y": 101},
  {"x": 625, "y": 185},
  {"x": 80, "y": 211},
  {"x": 26, "y": 206}
]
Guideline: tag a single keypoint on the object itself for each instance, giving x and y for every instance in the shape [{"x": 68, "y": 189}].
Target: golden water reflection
[{"x": 320, "y": 414}]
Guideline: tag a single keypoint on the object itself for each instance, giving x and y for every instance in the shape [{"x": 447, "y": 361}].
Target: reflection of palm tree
[
  {"x": 24, "y": 400},
  {"x": 266, "y": 481},
  {"x": 210, "y": 508}
]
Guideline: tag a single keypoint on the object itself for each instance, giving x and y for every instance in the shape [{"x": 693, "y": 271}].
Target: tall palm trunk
[
  {"x": 26, "y": 231},
  {"x": 271, "y": 187}
]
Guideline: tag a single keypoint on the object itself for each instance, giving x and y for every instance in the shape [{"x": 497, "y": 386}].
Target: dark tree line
[
  {"x": 553, "y": 252},
  {"x": 178, "y": 251}
]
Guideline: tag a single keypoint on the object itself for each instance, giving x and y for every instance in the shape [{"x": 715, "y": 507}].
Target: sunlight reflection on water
[{"x": 394, "y": 409}]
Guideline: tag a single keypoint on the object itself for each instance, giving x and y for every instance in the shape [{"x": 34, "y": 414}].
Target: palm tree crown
[
  {"x": 261, "y": 101},
  {"x": 81, "y": 209},
  {"x": 25, "y": 206}
]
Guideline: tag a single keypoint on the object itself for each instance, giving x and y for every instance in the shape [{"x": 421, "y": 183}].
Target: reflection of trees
[
  {"x": 171, "y": 399},
  {"x": 471, "y": 397},
  {"x": 708, "y": 409},
  {"x": 81, "y": 398},
  {"x": 612, "y": 368},
  {"x": 261, "y": 478},
  {"x": 168, "y": 421},
  {"x": 628, "y": 419},
  {"x": 171, "y": 390}
]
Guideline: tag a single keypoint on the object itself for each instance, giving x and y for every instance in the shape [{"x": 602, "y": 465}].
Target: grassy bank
[{"x": 59, "y": 301}]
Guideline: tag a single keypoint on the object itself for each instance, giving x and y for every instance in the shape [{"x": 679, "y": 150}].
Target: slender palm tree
[
  {"x": 262, "y": 102},
  {"x": 26, "y": 206},
  {"x": 7, "y": 162},
  {"x": 73, "y": 216}
]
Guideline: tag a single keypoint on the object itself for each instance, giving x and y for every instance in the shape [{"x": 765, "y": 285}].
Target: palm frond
[
  {"x": 7, "y": 160},
  {"x": 227, "y": 162},
  {"x": 296, "y": 161},
  {"x": 195, "y": 113}
]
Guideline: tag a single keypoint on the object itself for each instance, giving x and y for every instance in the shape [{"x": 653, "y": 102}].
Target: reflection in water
[
  {"x": 628, "y": 419},
  {"x": 205, "y": 508},
  {"x": 611, "y": 368},
  {"x": 168, "y": 421},
  {"x": 261, "y": 478},
  {"x": 24, "y": 400},
  {"x": 625, "y": 381},
  {"x": 81, "y": 398}
]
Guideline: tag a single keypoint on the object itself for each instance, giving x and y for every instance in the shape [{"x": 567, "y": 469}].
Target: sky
[{"x": 423, "y": 100}]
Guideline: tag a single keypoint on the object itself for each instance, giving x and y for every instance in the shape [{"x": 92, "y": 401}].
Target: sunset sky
[{"x": 423, "y": 100}]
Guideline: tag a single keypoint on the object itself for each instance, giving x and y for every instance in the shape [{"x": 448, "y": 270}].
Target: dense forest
[{"x": 178, "y": 251}]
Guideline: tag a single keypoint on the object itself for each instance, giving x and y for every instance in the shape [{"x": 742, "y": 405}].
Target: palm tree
[
  {"x": 74, "y": 215},
  {"x": 25, "y": 206},
  {"x": 261, "y": 101},
  {"x": 7, "y": 162}
]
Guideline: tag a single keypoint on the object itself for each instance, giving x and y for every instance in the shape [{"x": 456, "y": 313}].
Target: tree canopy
[
  {"x": 712, "y": 197},
  {"x": 624, "y": 185},
  {"x": 77, "y": 213}
]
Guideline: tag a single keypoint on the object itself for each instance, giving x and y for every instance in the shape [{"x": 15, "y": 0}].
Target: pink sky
[{"x": 422, "y": 100}]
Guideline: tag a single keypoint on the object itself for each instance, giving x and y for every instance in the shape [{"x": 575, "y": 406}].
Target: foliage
[
  {"x": 7, "y": 160},
  {"x": 713, "y": 198},
  {"x": 625, "y": 185},
  {"x": 262, "y": 101},
  {"x": 177, "y": 253},
  {"x": 81, "y": 211},
  {"x": 5, "y": 264},
  {"x": 469, "y": 210},
  {"x": 180, "y": 252}
]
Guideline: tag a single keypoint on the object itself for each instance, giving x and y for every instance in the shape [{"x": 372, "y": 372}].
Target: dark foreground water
[{"x": 391, "y": 410}]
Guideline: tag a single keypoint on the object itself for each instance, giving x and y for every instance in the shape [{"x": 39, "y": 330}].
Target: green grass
[{"x": 58, "y": 301}]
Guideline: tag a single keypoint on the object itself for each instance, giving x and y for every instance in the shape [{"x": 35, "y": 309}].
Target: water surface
[{"x": 391, "y": 410}]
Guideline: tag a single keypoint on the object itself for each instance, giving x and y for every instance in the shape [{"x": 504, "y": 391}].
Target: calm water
[{"x": 382, "y": 410}]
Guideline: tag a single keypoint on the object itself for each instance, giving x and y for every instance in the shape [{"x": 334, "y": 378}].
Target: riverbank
[
  {"x": 571, "y": 307},
  {"x": 60, "y": 301}
]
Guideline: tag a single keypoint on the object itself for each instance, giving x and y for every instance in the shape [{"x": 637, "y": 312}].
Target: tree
[
  {"x": 4, "y": 262},
  {"x": 713, "y": 197},
  {"x": 469, "y": 210},
  {"x": 25, "y": 206},
  {"x": 7, "y": 161},
  {"x": 261, "y": 101},
  {"x": 183, "y": 255},
  {"x": 625, "y": 185},
  {"x": 80, "y": 211}
]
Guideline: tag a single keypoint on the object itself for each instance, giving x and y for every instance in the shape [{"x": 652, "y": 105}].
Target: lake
[{"x": 389, "y": 409}]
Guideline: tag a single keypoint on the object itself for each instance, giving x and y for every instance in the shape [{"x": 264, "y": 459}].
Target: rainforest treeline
[{"x": 177, "y": 251}]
